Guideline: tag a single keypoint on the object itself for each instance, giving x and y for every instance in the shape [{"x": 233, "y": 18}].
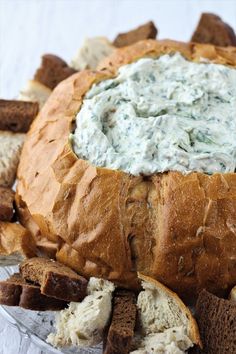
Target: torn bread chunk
[
  {"x": 17, "y": 116},
  {"x": 10, "y": 149},
  {"x": 121, "y": 330},
  {"x": 54, "y": 278},
  {"x": 166, "y": 323},
  {"x": 171, "y": 341},
  {"x": 217, "y": 324},
  {"x": 15, "y": 291},
  {"x": 211, "y": 29},
  {"x": 146, "y": 31},
  {"x": 7, "y": 196},
  {"x": 52, "y": 71},
  {"x": 232, "y": 295},
  {"x": 83, "y": 324},
  {"x": 16, "y": 244},
  {"x": 91, "y": 53},
  {"x": 34, "y": 91}
]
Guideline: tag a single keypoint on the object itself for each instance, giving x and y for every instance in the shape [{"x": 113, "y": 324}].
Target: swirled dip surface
[{"x": 159, "y": 115}]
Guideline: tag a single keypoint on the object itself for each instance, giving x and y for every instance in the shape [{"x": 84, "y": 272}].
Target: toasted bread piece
[
  {"x": 121, "y": 330},
  {"x": 34, "y": 91},
  {"x": 52, "y": 71},
  {"x": 17, "y": 116},
  {"x": 16, "y": 243},
  {"x": 217, "y": 324},
  {"x": 15, "y": 291},
  {"x": 54, "y": 278},
  {"x": 146, "y": 31},
  {"x": 91, "y": 53},
  {"x": 232, "y": 295},
  {"x": 163, "y": 314},
  {"x": 10, "y": 149},
  {"x": 7, "y": 196},
  {"x": 211, "y": 29}
]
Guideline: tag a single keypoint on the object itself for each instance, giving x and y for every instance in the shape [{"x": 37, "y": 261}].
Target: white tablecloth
[{"x": 30, "y": 28}]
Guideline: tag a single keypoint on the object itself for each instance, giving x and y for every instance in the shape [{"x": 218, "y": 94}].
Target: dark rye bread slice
[
  {"x": 17, "y": 116},
  {"x": 55, "y": 279},
  {"x": 52, "y": 71},
  {"x": 121, "y": 330},
  {"x": 15, "y": 291},
  {"x": 211, "y": 29},
  {"x": 146, "y": 31},
  {"x": 217, "y": 324},
  {"x": 7, "y": 196}
]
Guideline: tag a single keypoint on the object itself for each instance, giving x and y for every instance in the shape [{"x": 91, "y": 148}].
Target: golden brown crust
[
  {"x": 152, "y": 48},
  {"x": 195, "y": 235},
  {"x": 107, "y": 223},
  {"x": 15, "y": 240}
]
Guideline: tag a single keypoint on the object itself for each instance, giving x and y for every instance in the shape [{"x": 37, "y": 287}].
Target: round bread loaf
[{"x": 179, "y": 229}]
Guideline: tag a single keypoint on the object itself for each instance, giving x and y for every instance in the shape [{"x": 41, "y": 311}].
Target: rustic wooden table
[{"x": 30, "y": 28}]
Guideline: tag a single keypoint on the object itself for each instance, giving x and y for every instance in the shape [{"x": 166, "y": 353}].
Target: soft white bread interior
[
  {"x": 34, "y": 91},
  {"x": 82, "y": 324},
  {"x": 171, "y": 341},
  {"x": 166, "y": 323},
  {"x": 10, "y": 149},
  {"x": 91, "y": 53},
  {"x": 232, "y": 295}
]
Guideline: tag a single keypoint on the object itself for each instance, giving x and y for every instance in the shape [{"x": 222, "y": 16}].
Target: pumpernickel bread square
[
  {"x": 55, "y": 279},
  {"x": 6, "y": 203},
  {"x": 146, "y": 31},
  {"x": 52, "y": 71},
  {"x": 121, "y": 330},
  {"x": 211, "y": 29},
  {"x": 216, "y": 319},
  {"x": 16, "y": 115},
  {"x": 15, "y": 291}
]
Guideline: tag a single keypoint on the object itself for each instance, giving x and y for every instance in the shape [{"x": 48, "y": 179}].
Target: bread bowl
[{"x": 178, "y": 228}]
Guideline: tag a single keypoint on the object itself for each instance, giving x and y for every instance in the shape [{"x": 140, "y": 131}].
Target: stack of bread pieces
[
  {"x": 42, "y": 285},
  {"x": 16, "y": 117},
  {"x": 146, "y": 318},
  {"x": 15, "y": 120},
  {"x": 98, "y": 311}
]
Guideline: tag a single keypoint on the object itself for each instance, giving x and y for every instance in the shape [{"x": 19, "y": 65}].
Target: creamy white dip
[{"x": 159, "y": 115}]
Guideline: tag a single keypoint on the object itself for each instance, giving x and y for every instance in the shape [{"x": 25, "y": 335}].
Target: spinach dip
[{"x": 159, "y": 115}]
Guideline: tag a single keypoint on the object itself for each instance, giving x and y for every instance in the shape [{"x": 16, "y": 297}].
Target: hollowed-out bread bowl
[{"x": 177, "y": 228}]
